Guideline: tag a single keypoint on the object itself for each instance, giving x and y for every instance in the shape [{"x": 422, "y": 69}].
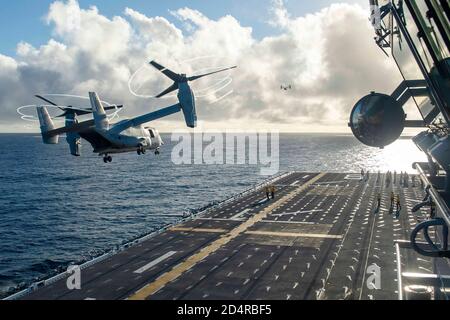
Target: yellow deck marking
[
  {"x": 295, "y": 234},
  {"x": 198, "y": 230},
  {"x": 191, "y": 261},
  {"x": 263, "y": 233}
]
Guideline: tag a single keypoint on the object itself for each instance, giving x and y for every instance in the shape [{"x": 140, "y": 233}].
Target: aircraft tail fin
[
  {"x": 100, "y": 118},
  {"x": 47, "y": 125}
]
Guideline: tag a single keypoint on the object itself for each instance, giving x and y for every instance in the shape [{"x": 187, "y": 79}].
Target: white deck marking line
[
  {"x": 155, "y": 262},
  {"x": 295, "y": 234},
  {"x": 240, "y": 214},
  {"x": 295, "y": 212},
  {"x": 292, "y": 222},
  {"x": 192, "y": 229},
  {"x": 267, "y": 221},
  {"x": 352, "y": 176},
  {"x": 295, "y": 183},
  {"x": 327, "y": 182},
  {"x": 154, "y": 286},
  {"x": 304, "y": 177},
  {"x": 219, "y": 219},
  {"x": 262, "y": 201}
]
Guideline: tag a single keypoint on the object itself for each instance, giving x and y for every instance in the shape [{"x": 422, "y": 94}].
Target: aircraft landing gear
[
  {"x": 157, "y": 152},
  {"x": 141, "y": 150},
  {"x": 107, "y": 159}
]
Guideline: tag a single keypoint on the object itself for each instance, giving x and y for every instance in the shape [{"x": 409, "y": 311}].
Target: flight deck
[{"x": 319, "y": 238}]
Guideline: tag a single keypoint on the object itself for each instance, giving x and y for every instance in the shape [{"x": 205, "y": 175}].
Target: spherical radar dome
[{"x": 377, "y": 120}]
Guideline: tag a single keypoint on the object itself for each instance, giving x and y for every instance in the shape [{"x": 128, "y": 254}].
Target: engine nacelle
[
  {"x": 377, "y": 120},
  {"x": 187, "y": 102}
]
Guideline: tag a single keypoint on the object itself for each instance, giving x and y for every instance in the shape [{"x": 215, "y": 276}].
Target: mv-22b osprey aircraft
[{"x": 128, "y": 135}]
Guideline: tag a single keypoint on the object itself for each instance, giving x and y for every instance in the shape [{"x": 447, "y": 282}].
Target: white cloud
[{"x": 329, "y": 57}]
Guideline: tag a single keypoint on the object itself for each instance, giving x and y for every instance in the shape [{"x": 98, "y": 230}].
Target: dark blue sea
[{"x": 56, "y": 209}]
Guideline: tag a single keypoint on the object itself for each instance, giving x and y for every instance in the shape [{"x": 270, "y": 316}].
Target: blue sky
[{"x": 23, "y": 20}]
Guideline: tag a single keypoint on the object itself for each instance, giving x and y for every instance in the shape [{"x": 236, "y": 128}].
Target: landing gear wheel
[
  {"x": 105, "y": 159},
  {"x": 157, "y": 152},
  {"x": 109, "y": 158},
  {"x": 140, "y": 150}
]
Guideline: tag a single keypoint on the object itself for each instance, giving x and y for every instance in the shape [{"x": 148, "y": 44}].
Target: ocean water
[{"x": 56, "y": 209}]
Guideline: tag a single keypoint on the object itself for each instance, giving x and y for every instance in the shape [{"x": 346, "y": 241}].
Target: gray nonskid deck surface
[{"x": 315, "y": 245}]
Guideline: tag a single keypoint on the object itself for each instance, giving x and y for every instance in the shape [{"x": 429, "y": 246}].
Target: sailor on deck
[
  {"x": 272, "y": 191},
  {"x": 378, "y": 202},
  {"x": 267, "y": 189},
  {"x": 392, "y": 200},
  {"x": 398, "y": 207}
]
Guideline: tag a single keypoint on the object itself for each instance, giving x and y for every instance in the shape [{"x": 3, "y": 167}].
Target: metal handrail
[
  {"x": 440, "y": 204},
  {"x": 399, "y": 271}
]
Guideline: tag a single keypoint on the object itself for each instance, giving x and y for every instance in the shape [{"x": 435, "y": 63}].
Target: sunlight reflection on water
[{"x": 398, "y": 156}]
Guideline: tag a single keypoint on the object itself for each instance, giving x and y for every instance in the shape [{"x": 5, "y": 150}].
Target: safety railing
[
  {"x": 440, "y": 203},
  {"x": 418, "y": 285}
]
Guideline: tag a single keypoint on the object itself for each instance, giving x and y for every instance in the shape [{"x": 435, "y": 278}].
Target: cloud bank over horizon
[{"x": 329, "y": 57}]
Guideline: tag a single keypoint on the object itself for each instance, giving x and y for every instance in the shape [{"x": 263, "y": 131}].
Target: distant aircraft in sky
[{"x": 286, "y": 87}]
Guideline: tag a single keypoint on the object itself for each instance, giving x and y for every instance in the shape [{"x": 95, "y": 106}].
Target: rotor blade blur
[
  {"x": 168, "y": 73},
  {"x": 173, "y": 87},
  {"x": 81, "y": 112},
  {"x": 46, "y": 100},
  {"x": 113, "y": 107},
  {"x": 77, "y": 111},
  {"x": 210, "y": 73}
]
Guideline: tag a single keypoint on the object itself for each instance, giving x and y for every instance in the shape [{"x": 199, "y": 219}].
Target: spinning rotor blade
[
  {"x": 173, "y": 87},
  {"x": 77, "y": 111},
  {"x": 210, "y": 73},
  {"x": 71, "y": 110},
  {"x": 168, "y": 73},
  {"x": 80, "y": 112},
  {"x": 48, "y": 101},
  {"x": 111, "y": 107}
]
